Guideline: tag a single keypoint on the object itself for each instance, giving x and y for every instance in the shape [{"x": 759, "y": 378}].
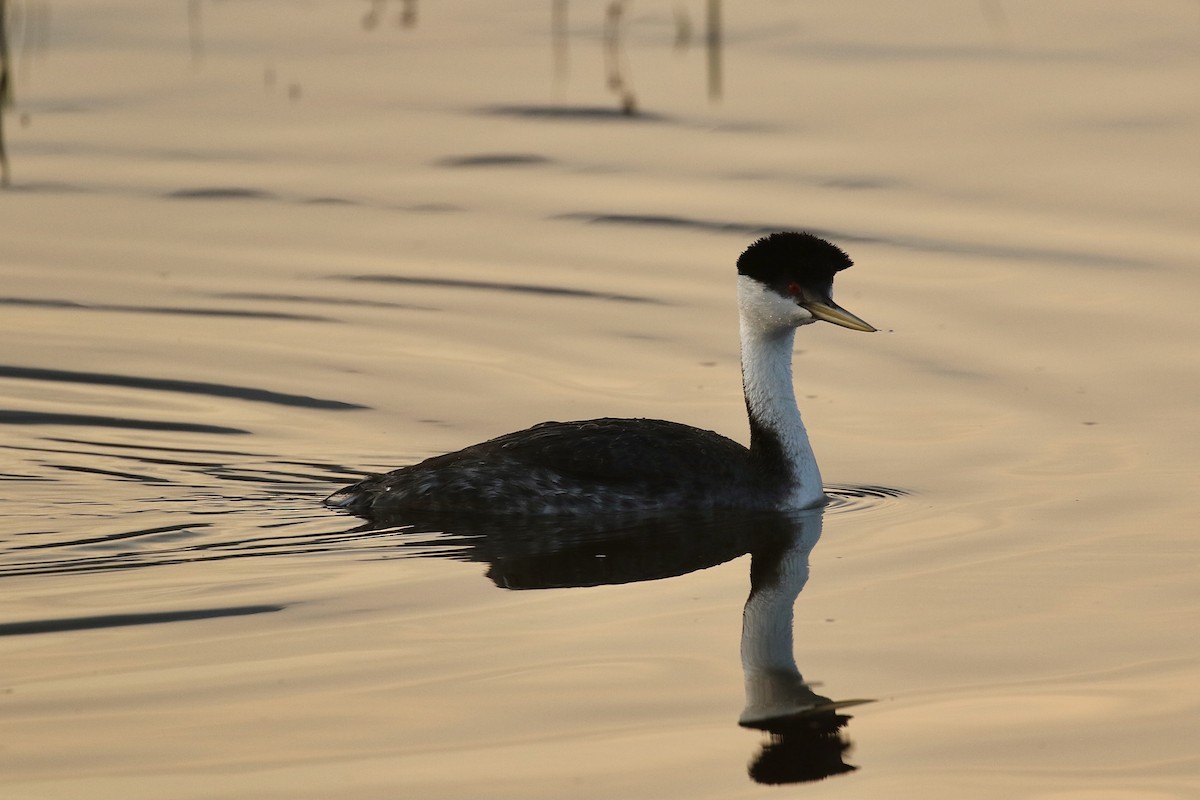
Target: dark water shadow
[
  {"x": 859, "y": 183},
  {"x": 38, "y": 302},
  {"x": 495, "y": 160},
  {"x": 169, "y": 385},
  {"x": 330, "y": 201},
  {"x": 143, "y": 448},
  {"x": 102, "y": 621},
  {"x": 270, "y": 297},
  {"x": 236, "y": 193},
  {"x": 974, "y": 249},
  {"x": 575, "y": 113},
  {"x": 109, "y": 473},
  {"x": 18, "y": 417},
  {"x": 221, "y": 193},
  {"x": 498, "y": 286}
]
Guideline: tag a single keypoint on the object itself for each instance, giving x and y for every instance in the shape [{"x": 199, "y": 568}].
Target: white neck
[{"x": 768, "y": 330}]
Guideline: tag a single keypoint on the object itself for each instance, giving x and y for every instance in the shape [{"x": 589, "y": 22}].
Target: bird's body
[
  {"x": 643, "y": 465},
  {"x": 585, "y": 467}
]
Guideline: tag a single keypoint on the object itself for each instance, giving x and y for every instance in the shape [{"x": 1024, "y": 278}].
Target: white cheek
[
  {"x": 782, "y": 311},
  {"x": 799, "y": 315},
  {"x": 767, "y": 310}
]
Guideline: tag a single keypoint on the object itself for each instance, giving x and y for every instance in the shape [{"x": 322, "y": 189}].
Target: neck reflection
[{"x": 805, "y": 728}]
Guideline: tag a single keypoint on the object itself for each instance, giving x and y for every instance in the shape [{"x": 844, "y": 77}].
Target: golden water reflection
[{"x": 190, "y": 248}]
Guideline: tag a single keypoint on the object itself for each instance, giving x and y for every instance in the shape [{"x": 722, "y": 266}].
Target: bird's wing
[{"x": 616, "y": 451}]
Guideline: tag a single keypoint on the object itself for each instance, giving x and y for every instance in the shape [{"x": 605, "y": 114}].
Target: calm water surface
[{"x": 253, "y": 250}]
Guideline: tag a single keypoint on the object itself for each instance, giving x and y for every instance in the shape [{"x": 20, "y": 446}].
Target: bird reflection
[{"x": 804, "y": 729}]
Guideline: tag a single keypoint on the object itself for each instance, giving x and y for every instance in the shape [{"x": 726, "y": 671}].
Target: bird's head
[{"x": 785, "y": 280}]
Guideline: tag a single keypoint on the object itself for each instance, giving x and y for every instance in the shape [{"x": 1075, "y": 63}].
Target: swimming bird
[{"x": 598, "y": 466}]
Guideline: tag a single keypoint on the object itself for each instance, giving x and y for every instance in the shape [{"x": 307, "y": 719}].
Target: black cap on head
[{"x": 783, "y": 258}]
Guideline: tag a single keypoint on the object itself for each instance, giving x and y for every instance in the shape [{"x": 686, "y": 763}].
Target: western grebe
[{"x": 785, "y": 280}]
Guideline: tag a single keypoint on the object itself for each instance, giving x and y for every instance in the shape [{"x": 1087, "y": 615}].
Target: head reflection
[{"x": 805, "y": 730}]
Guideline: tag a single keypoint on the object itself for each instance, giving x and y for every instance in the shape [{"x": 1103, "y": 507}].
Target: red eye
[{"x": 793, "y": 289}]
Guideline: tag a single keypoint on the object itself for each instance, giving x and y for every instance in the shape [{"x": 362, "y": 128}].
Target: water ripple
[
  {"x": 145, "y": 506},
  {"x": 171, "y": 385},
  {"x": 846, "y": 498}
]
